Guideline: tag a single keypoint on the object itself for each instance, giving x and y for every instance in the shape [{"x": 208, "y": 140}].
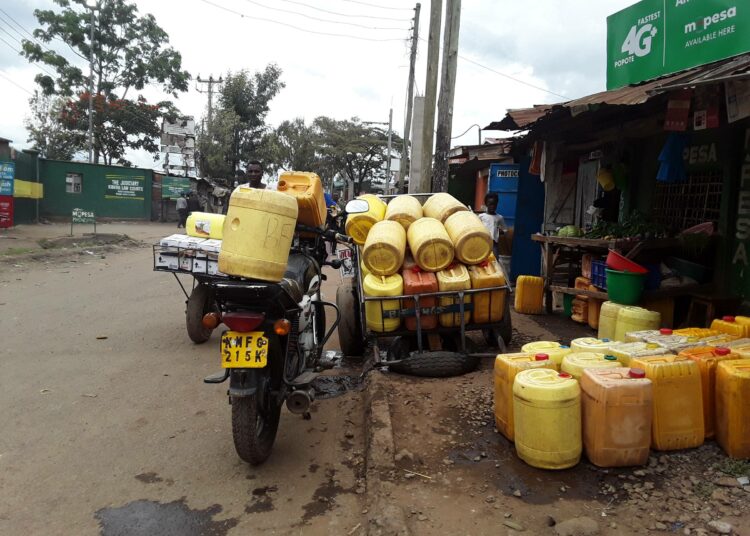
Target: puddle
[
  {"x": 333, "y": 386},
  {"x": 146, "y": 518},
  {"x": 324, "y": 498},
  {"x": 262, "y": 500}
]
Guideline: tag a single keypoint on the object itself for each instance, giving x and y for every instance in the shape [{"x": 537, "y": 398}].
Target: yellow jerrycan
[
  {"x": 471, "y": 240},
  {"x": 358, "y": 225},
  {"x": 205, "y": 225},
  {"x": 384, "y": 249},
  {"x": 547, "y": 418},
  {"x": 404, "y": 209},
  {"x": 636, "y": 319},
  {"x": 488, "y": 306},
  {"x": 608, "y": 320},
  {"x": 554, "y": 350},
  {"x": 257, "y": 235},
  {"x": 307, "y": 189},
  {"x": 454, "y": 278},
  {"x": 529, "y": 295},
  {"x": 382, "y": 286},
  {"x": 430, "y": 244},
  {"x": 576, "y": 362},
  {"x": 441, "y": 206},
  {"x": 732, "y": 409}
]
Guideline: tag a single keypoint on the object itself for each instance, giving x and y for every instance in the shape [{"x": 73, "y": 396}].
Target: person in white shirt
[
  {"x": 182, "y": 211},
  {"x": 494, "y": 223}
]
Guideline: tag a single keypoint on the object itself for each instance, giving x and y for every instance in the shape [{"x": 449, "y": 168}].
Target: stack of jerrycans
[
  {"x": 733, "y": 407},
  {"x": 507, "y": 366}
]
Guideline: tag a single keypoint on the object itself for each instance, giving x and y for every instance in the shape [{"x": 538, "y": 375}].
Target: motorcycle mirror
[{"x": 357, "y": 206}]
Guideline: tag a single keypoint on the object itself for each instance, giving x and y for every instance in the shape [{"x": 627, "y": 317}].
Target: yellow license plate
[{"x": 244, "y": 350}]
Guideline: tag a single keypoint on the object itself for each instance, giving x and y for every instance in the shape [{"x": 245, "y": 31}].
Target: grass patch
[
  {"x": 16, "y": 251},
  {"x": 703, "y": 489},
  {"x": 734, "y": 467}
]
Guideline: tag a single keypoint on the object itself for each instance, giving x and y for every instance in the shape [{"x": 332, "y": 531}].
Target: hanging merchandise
[
  {"x": 678, "y": 111},
  {"x": 672, "y": 167},
  {"x": 606, "y": 179},
  {"x": 706, "y": 108}
]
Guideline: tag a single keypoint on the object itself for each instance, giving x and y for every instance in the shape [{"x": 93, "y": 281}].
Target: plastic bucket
[
  {"x": 568, "y": 304},
  {"x": 625, "y": 287}
]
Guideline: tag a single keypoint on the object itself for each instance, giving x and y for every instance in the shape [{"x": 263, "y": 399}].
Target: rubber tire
[
  {"x": 253, "y": 446},
  {"x": 198, "y": 304},
  {"x": 351, "y": 341},
  {"x": 442, "y": 364}
]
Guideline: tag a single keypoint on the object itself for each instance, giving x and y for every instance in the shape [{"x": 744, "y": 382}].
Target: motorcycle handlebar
[{"x": 327, "y": 234}]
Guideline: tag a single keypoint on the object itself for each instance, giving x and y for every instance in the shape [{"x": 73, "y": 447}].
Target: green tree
[
  {"x": 353, "y": 150},
  {"x": 48, "y": 132},
  {"x": 244, "y": 102},
  {"x": 130, "y": 52},
  {"x": 291, "y": 146}
]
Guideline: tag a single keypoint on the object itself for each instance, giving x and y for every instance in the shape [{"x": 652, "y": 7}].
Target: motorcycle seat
[{"x": 301, "y": 270}]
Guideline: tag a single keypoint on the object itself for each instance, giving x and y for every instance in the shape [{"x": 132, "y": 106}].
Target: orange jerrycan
[
  {"x": 418, "y": 282},
  {"x": 678, "y": 401},
  {"x": 708, "y": 359},
  {"x": 733, "y": 407},
  {"x": 617, "y": 406},
  {"x": 307, "y": 190},
  {"x": 529, "y": 295},
  {"x": 506, "y": 368}
]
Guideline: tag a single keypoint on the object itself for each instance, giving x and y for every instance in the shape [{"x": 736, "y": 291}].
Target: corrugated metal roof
[{"x": 631, "y": 95}]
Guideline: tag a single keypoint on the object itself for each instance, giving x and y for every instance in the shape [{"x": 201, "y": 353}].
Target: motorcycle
[{"x": 271, "y": 352}]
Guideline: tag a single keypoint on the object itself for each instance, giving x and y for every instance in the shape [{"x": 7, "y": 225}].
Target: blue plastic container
[{"x": 599, "y": 274}]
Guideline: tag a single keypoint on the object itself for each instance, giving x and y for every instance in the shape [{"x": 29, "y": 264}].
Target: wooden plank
[
  {"x": 650, "y": 294},
  {"x": 582, "y": 292}
]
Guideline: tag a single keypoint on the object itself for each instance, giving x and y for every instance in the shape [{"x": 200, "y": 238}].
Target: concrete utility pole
[
  {"x": 92, "y": 6},
  {"x": 210, "y": 82},
  {"x": 404, "y": 167},
  {"x": 433, "y": 54},
  {"x": 447, "y": 92},
  {"x": 388, "y": 164},
  {"x": 417, "y": 183}
]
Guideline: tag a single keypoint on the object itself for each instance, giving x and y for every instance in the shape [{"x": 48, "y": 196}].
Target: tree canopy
[
  {"x": 47, "y": 133},
  {"x": 234, "y": 135},
  {"x": 129, "y": 52}
]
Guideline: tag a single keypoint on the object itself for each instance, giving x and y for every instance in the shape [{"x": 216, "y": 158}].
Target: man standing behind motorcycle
[{"x": 254, "y": 174}]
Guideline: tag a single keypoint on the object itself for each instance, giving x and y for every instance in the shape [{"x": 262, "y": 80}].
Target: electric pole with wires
[
  {"x": 405, "y": 159},
  {"x": 210, "y": 83}
]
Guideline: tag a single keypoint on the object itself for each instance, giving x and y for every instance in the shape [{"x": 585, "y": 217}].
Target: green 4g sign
[{"x": 657, "y": 37}]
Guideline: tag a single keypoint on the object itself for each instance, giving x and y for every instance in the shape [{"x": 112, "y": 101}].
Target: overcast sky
[{"x": 555, "y": 45}]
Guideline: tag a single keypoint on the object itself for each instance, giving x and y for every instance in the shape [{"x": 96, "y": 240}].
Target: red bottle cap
[
  {"x": 564, "y": 375},
  {"x": 728, "y": 318},
  {"x": 416, "y": 269},
  {"x": 665, "y": 331},
  {"x": 637, "y": 373},
  {"x": 541, "y": 357},
  {"x": 722, "y": 351}
]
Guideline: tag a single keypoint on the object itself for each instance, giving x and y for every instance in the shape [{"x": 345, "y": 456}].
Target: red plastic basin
[{"x": 615, "y": 261}]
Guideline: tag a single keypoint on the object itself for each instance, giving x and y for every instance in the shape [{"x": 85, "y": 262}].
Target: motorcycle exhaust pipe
[{"x": 299, "y": 401}]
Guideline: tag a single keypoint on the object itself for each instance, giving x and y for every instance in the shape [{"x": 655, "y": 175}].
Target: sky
[{"x": 511, "y": 55}]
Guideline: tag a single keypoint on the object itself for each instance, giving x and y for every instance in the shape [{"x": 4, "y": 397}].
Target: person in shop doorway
[
  {"x": 182, "y": 211},
  {"x": 494, "y": 222},
  {"x": 193, "y": 203},
  {"x": 254, "y": 174}
]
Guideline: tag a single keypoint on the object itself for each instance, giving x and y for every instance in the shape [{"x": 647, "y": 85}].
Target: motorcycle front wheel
[{"x": 254, "y": 427}]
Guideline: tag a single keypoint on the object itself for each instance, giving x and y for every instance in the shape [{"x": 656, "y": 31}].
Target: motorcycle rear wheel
[{"x": 254, "y": 428}]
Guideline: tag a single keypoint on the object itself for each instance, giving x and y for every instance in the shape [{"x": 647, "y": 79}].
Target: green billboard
[{"x": 657, "y": 37}]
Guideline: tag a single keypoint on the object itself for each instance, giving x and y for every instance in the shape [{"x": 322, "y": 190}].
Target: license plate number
[{"x": 244, "y": 350}]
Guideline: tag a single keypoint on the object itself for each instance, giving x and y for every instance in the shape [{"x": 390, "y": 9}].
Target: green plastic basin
[{"x": 625, "y": 288}]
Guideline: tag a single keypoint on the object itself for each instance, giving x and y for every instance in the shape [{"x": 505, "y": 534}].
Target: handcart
[{"x": 437, "y": 352}]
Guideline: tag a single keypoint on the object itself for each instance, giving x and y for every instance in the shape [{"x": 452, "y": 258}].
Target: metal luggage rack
[
  {"x": 181, "y": 253},
  {"x": 457, "y": 306}
]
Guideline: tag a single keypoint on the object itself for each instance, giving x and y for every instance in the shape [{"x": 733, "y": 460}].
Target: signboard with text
[
  {"x": 6, "y": 211},
  {"x": 173, "y": 187},
  {"x": 7, "y": 176},
  {"x": 657, "y": 37},
  {"x": 124, "y": 187}
]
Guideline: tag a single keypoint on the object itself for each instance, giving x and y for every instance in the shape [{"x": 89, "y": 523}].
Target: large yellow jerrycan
[
  {"x": 358, "y": 225},
  {"x": 404, "y": 209},
  {"x": 547, "y": 418},
  {"x": 430, "y": 244},
  {"x": 553, "y": 349},
  {"x": 441, "y": 206},
  {"x": 733, "y": 407},
  {"x": 384, "y": 249},
  {"x": 381, "y": 286},
  {"x": 258, "y": 232},
  {"x": 205, "y": 225},
  {"x": 471, "y": 240}
]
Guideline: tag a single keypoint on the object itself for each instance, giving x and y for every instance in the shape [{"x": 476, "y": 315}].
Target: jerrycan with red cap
[
  {"x": 507, "y": 366},
  {"x": 617, "y": 408},
  {"x": 730, "y": 326},
  {"x": 708, "y": 359},
  {"x": 417, "y": 281}
]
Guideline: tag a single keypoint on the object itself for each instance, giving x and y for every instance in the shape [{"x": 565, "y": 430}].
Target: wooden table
[{"x": 551, "y": 245}]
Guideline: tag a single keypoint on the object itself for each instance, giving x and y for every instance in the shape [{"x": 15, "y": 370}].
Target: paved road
[{"x": 107, "y": 428}]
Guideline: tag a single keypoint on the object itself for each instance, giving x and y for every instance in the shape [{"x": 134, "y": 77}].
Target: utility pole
[
  {"x": 433, "y": 54},
  {"x": 210, "y": 82},
  {"x": 447, "y": 92},
  {"x": 388, "y": 164},
  {"x": 405, "y": 167},
  {"x": 91, "y": 86}
]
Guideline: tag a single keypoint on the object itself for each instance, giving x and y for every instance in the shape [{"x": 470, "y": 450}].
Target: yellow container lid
[
  {"x": 545, "y": 385},
  {"x": 575, "y": 363},
  {"x": 591, "y": 344},
  {"x": 555, "y": 350}
]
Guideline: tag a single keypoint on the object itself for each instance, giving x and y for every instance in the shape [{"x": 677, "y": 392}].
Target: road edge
[{"x": 384, "y": 517}]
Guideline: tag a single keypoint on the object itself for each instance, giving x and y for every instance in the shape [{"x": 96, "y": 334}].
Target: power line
[
  {"x": 377, "y": 6},
  {"x": 37, "y": 40},
  {"x": 329, "y": 21},
  {"x": 341, "y": 14},
  {"x": 37, "y": 65},
  {"x": 19, "y": 86},
  {"x": 272, "y": 21}
]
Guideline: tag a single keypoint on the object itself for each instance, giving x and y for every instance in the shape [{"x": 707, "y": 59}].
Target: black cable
[
  {"x": 295, "y": 27},
  {"x": 379, "y": 7},
  {"x": 341, "y": 14},
  {"x": 19, "y": 86},
  {"x": 36, "y": 64},
  {"x": 329, "y": 21}
]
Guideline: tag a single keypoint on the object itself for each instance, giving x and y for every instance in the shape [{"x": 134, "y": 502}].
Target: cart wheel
[
  {"x": 441, "y": 364},
  {"x": 199, "y": 303},
  {"x": 350, "y": 330}
]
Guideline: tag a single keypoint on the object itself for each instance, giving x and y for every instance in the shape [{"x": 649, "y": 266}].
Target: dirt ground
[{"x": 108, "y": 429}]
